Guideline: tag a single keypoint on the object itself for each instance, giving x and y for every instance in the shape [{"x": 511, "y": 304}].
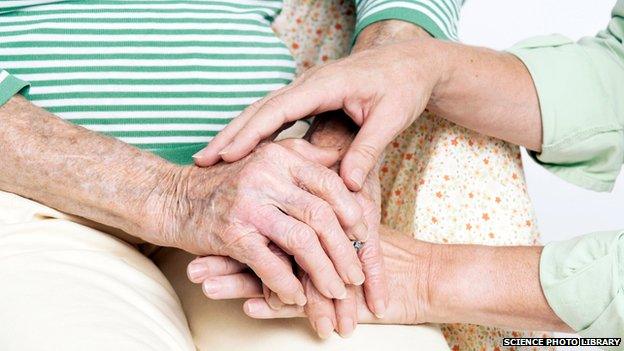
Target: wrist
[
  {"x": 449, "y": 285},
  {"x": 441, "y": 60},
  {"x": 163, "y": 214}
]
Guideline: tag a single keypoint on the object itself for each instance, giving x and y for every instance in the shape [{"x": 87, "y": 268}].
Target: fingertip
[
  {"x": 195, "y": 271},
  {"x": 324, "y": 327},
  {"x": 234, "y": 152},
  {"x": 205, "y": 158},
  {"x": 254, "y": 308},
  {"x": 300, "y": 299},
  {"x": 348, "y": 179},
  {"x": 346, "y": 326},
  {"x": 379, "y": 308}
]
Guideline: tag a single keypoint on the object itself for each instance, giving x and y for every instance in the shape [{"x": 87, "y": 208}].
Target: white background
[{"x": 563, "y": 210}]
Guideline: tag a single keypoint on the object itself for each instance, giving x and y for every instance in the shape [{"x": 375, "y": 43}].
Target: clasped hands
[
  {"x": 287, "y": 220},
  {"x": 284, "y": 232}
]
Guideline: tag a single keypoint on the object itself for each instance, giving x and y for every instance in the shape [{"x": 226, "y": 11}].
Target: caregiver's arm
[
  {"x": 489, "y": 285},
  {"x": 477, "y": 284},
  {"x": 231, "y": 210}
]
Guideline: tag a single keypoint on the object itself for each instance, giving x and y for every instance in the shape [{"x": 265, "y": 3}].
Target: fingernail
[
  {"x": 198, "y": 154},
  {"x": 324, "y": 327},
  {"x": 196, "y": 271},
  {"x": 380, "y": 308},
  {"x": 357, "y": 176},
  {"x": 346, "y": 327},
  {"x": 211, "y": 287},
  {"x": 338, "y": 290},
  {"x": 300, "y": 299},
  {"x": 355, "y": 274},
  {"x": 225, "y": 150},
  {"x": 252, "y": 307}
]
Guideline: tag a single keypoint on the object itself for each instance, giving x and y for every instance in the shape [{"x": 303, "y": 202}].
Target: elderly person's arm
[{"x": 231, "y": 210}]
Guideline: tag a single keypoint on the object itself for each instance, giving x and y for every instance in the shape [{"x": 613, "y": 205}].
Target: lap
[
  {"x": 67, "y": 286},
  {"x": 222, "y": 325}
]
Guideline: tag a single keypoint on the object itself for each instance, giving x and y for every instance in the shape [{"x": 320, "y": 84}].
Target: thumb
[
  {"x": 327, "y": 156},
  {"x": 369, "y": 144}
]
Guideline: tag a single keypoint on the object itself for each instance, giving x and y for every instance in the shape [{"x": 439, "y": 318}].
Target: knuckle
[
  {"x": 315, "y": 299},
  {"x": 275, "y": 103},
  {"x": 300, "y": 239},
  {"x": 227, "y": 264},
  {"x": 242, "y": 284},
  {"x": 318, "y": 211},
  {"x": 270, "y": 150},
  {"x": 352, "y": 215},
  {"x": 331, "y": 182},
  {"x": 286, "y": 285},
  {"x": 255, "y": 105},
  {"x": 248, "y": 249},
  {"x": 371, "y": 257}
]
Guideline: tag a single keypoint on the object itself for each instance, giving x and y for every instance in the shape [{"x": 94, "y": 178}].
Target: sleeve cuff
[
  {"x": 577, "y": 86},
  {"x": 9, "y": 86},
  {"x": 581, "y": 281},
  {"x": 438, "y": 18},
  {"x": 411, "y": 16}
]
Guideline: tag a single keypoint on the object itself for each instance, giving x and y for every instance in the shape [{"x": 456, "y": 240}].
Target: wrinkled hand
[
  {"x": 406, "y": 263},
  {"x": 324, "y": 313},
  {"x": 384, "y": 99},
  {"x": 272, "y": 196}
]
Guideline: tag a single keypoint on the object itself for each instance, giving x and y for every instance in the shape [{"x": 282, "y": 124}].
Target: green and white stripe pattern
[
  {"x": 164, "y": 75},
  {"x": 438, "y": 17}
]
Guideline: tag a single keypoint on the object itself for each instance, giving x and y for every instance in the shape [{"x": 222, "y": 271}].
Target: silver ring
[{"x": 357, "y": 244}]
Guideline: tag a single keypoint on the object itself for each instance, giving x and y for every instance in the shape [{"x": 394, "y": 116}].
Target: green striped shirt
[{"x": 163, "y": 75}]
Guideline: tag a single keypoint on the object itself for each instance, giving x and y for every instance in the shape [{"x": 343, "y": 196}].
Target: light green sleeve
[
  {"x": 580, "y": 86},
  {"x": 438, "y": 17},
  {"x": 583, "y": 280}
]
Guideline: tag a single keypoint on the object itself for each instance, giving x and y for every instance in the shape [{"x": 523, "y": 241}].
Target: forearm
[
  {"x": 75, "y": 170},
  {"x": 488, "y": 91},
  {"x": 489, "y": 285}
]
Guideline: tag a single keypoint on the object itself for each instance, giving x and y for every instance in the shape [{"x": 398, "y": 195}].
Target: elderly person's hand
[
  {"x": 274, "y": 195},
  {"x": 407, "y": 264},
  {"x": 320, "y": 308}
]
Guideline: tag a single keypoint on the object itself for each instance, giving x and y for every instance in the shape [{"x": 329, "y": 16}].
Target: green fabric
[
  {"x": 582, "y": 279},
  {"x": 580, "y": 87},
  {"x": 162, "y": 76},
  {"x": 439, "y": 18},
  {"x": 9, "y": 86},
  {"x": 418, "y": 18}
]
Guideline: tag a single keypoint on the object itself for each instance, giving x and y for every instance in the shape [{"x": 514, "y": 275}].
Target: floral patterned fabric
[{"x": 440, "y": 182}]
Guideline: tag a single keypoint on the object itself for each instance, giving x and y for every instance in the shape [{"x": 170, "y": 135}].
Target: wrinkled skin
[
  {"x": 324, "y": 313},
  {"x": 277, "y": 196},
  {"x": 406, "y": 263}
]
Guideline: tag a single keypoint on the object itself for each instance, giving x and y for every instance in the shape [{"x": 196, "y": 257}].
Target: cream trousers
[{"x": 68, "y": 286}]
